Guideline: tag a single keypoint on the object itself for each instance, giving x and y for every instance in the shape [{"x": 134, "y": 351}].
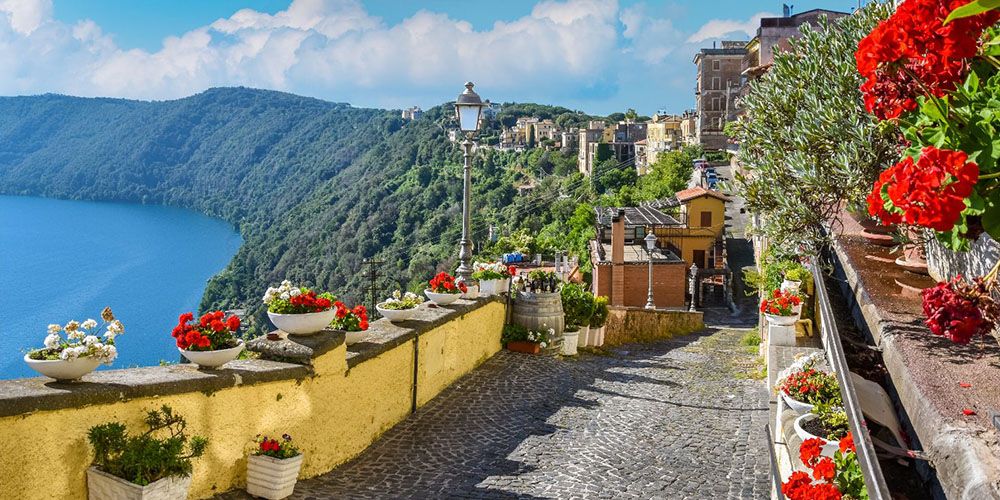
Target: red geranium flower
[
  {"x": 847, "y": 443},
  {"x": 824, "y": 469},
  {"x": 810, "y": 450}
]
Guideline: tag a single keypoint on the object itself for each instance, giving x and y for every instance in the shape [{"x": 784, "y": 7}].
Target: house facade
[{"x": 718, "y": 84}]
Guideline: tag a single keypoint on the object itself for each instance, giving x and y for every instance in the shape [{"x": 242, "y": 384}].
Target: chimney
[{"x": 618, "y": 259}]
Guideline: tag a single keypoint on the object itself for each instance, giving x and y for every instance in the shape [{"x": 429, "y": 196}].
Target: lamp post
[
  {"x": 468, "y": 110},
  {"x": 650, "y": 240}
]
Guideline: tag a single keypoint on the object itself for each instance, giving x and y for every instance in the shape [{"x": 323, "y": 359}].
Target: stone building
[
  {"x": 718, "y": 84},
  {"x": 413, "y": 113}
]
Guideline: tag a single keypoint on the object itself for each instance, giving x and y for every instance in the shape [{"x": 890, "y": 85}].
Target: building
[
  {"x": 718, "y": 83},
  {"x": 662, "y": 134},
  {"x": 621, "y": 262},
  {"x": 545, "y": 129},
  {"x": 616, "y": 141},
  {"x": 689, "y": 128},
  {"x": 413, "y": 113},
  {"x": 587, "y": 150},
  {"x": 700, "y": 237}
]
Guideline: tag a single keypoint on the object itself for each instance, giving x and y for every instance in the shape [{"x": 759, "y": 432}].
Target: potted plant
[
  {"x": 779, "y": 309},
  {"x": 471, "y": 288},
  {"x": 209, "y": 342},
  {"x": 297, "y": 309},
  {"x": 578, "y": 306},
  {"x": 599, "y": 321},
  {"x": 399, "y": 307},
  {"x": 443, "y": 289},
  {"x": 827, "y": 423},
  {"x": 836, "y": 477},
  {"x": 153, "y": 465},
  {"x": 793, "y": 278},
  {"x": 520, "y": 339},
  {"x": 353, "y": 321},
  {"x": 804, "y": 389},
  {"x": 273, "y": 467},
  {"x": 493, "y": 277},
  {"x": 80, "y": 352}
]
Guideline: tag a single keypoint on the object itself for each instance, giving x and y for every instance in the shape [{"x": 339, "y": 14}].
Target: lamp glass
[
  {"x": 650, "y": 241},
  {"x": 468, "y": 116}
]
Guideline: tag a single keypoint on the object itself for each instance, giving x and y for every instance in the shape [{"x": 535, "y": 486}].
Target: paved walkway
[{"x": 676, "y": 419}]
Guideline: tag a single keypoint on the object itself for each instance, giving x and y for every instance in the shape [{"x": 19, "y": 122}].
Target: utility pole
[{"x": 373, "y": 272}]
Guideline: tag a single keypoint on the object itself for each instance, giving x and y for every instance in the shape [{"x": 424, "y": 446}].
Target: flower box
[
  {"x": 272, "y": 478},
  {"x": 63, "y": 370},
  {"x": 302, "y": 324},
  {"x": 212, "y": 359},
  {"x": 796, "y": 405},
  {"x": 524, "y": 346},
  {"x": 396, "y": 315},
  {"x": 104, "y": 486},
  {"x": 442, "y": 299},
  {"x": 829, "y": 447},
  {"x": 773, "y": 319}
]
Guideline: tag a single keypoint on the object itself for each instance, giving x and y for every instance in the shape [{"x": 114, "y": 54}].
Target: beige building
[
  {"x": 588, "y": 139},
  {"x": 662, "y": 134},
  {"x": 718, "y": 84}
]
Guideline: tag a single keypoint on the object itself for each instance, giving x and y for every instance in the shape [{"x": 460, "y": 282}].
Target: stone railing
[
  {"x": 334, "y": 399},
  {"x": 636, "y": 324}
]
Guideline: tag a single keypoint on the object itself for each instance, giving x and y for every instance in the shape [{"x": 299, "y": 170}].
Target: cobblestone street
[{"x": 675, "y": 419}]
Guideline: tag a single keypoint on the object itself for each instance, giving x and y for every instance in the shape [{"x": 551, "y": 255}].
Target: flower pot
[
  {"x": 791, "y": 286},
  {"x": 104, "y": 486},
  {"x": 584, "y": 339},
  {"x": 503, "y": 286},
  {"x": 396, "y": 315},
  {"x": 524, "y": 346},
  {"x": 442, "y": 299},
  {"x": 600, "y": 335},
  {"x": 488, "y": 288},
  {"x": 796, "y": 405},
  {"x": 303, "y": 324},
  {"x": 212, "y": 359},
  {"x": 272, "y": 478},
  {"x": 472, "y": 291},
  {"x": 570, "y": 340},
  {"x": 63, "y": 370},
  {"x": 798, "y": 311},
  {"x": 780, "y": 320},
  {"x": 829, "y": 447},
  {"x": 351, "y": 338}
]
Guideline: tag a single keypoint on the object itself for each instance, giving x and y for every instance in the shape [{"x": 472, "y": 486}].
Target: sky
[{"x": 599, "y": 56}]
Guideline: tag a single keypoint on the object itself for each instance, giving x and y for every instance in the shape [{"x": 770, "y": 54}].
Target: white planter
[
  {"x": 781, "y": 335},
  {"x": 570, "y": 340},
  {"x": 798, "y": 311},
  {"x": 212, "y": 359},
  {"x": 503, "y": 286},
  {"x": 600, "y": 335},
  {"x": 272, "y": 478},
  {"x": 829, "y": 447},
  {"x": 489, "y": 288},
  {"x": 396, "y": 315},
  {"x": 63, "y": 369},
  {"x": 791, "y": 286},
  {"x": 781, "y": 320},
  {"x": 796, "y": 405},
  {"x": 303, "y": 324},
  {"x": 472, "y": 292},
  {"x": 104, "y": 486},
  {"x": 442, "y": 299},
  {"x": 584, "y": 339},
  {"x": 351, "y": 338}
]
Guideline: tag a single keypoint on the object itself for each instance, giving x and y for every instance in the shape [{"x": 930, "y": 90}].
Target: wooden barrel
[{"x": 541, "y": 311}]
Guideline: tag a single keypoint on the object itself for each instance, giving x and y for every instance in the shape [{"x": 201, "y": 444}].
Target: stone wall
[
  {"x": 333, "y": 399},
  {"x": 633, "y": 324}
]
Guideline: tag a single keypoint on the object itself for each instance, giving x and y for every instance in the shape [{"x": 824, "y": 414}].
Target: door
[{"x": 699, "y": 258}]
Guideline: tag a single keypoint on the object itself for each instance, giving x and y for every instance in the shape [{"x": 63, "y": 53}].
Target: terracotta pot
[
  {"x": 524, "y": 346},
  {"x": 914, "y": 257}
]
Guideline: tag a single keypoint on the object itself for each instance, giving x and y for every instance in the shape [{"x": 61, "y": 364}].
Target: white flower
[
  {"x": 54, "y": 328},
  {"x": 110, "y": 336},
  {"x": 109, "y": 354},
  {"x": 116, "y": 327},
  {"x": 286, "y": 284},
  {"x": 285, "y": 296},
  {"x": 89, "y": 324},
  {"x": 75, "y": 334},
  {"x": 295, "y": 292},
  {"x": 543, "y": 344},
  {"x": 52, "y": 341},
  {"x": 90, "y": 340}
]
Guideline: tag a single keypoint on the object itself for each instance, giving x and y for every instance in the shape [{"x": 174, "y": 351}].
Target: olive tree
[{"x": 806, "y": 143}]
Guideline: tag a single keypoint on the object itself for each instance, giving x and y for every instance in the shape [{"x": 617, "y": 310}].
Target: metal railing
[{"x": 874, "y": 480}]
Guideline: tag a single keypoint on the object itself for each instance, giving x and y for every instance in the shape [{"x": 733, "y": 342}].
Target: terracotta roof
[{"x": 698, "y": 192}]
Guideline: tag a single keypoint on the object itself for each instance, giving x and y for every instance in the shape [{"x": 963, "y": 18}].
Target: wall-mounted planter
[
  {"x": 104, "y": 486},
  {"x": 272, "y": 478}
]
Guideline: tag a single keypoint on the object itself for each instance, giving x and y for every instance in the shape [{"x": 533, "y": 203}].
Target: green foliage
[
  {"x": 849, "y": 479},
  {"x": 973, "y": 8},
  {"x": 578, "y": 304},
  {"x": 834, "y": 420},
  {"x": 610, "y": 176},
  {"x": 773, "y": 270},
  {"x": 807, "y": 143},
  {"x": 669, "y": 174},
  {"x": 147, "y": 457},
  {"x": 601, "y": 312},
  {"x": 751, "y": 339}
]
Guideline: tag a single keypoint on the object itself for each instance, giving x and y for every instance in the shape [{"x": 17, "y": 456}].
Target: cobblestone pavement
[{"x": 675, "y": 419}]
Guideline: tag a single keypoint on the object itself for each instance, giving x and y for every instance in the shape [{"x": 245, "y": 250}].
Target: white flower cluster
[
  {"x": 489, "y": 270},
  {"x": 400, "y": 300},
  {"x": 541, "y": 337},
  {"x": 82, "y": 340},
  {"x": 284, "y": 291}
]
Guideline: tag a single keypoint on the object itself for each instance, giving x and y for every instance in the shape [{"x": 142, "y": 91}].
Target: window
[
  {"x": 716, "y": 83},
  {"x": 706, "y": 219},
  {"x": 716, "y": 104},
  {"x": 716, "y": 65}
]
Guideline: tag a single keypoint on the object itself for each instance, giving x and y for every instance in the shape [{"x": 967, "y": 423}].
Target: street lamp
[
  {"x": 650, "y": 240},
  {"x": 468, "y": 110}
]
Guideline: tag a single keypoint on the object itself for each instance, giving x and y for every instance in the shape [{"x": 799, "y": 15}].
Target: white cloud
[
  {"x": 583, "y": 53},
  {"x": 720, "y": 28}
]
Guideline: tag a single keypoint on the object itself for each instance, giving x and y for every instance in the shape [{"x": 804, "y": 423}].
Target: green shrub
[
  {"x": 601, "y": 312},
  {"x": 146, "y": 458},
  {"x": 578, "y": 305}
]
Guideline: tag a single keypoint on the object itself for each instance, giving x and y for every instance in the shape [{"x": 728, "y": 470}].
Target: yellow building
[{"x": 700, "y": 237}]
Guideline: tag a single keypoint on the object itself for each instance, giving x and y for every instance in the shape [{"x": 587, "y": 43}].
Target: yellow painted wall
[
  {"x": 695, "y": 237},
  {"x": 333, "y": 415}
]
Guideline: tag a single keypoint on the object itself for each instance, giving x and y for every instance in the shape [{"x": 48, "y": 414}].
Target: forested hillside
[{"x": 314, "y": 187}]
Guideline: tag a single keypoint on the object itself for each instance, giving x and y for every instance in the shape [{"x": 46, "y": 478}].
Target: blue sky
[{"x": 596, "y": 55}]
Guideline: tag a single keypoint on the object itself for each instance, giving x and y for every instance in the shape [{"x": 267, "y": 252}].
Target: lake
[{"x": 63, "y": 260}]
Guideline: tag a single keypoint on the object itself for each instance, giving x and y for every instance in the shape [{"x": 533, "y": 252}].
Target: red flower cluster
[
  {"x": 208, "y": 333},
  {"x": 445, "y": 283},
  {"x": 267, "y": 445},
  {"x": 800, "y": 485},
  {"x": 913, "y": 52},
  {"x": 780, "y": 304},
  {"x": 351, "y": 320},
  {"x": 930, "y": 192},
  {"x": 960, "y": 311},
  {"x": 511, "y": 271},
  {"x": 310, "y": 302}
]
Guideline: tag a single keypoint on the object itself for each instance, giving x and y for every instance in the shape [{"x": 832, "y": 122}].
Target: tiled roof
[
  {"x": 697, "y": 192},
  {"x": 636, "y": 216}
]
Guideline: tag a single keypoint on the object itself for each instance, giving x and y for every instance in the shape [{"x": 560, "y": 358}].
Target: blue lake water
[{"x": 63, "y": 260}]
